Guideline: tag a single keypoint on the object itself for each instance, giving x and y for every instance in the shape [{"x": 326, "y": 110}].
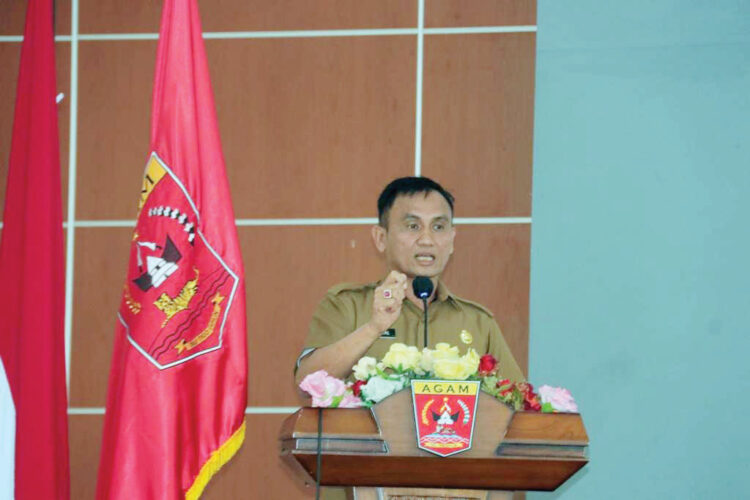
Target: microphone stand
[
  {"x": 423, "y": 289},
  {"x": 424, "y": 303}
]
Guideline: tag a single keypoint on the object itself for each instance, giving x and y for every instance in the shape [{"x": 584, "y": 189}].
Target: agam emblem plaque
[{"x": 444, "y": 414}]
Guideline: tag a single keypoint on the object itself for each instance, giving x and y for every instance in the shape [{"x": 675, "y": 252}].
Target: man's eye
[
  {"x": 413, "y": 226},
  {"x": 438, "y": 227}
]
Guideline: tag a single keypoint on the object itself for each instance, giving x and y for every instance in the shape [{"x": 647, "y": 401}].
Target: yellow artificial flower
[
  {"x": 449, "y": 369},
  {"x": 445, "y": 351},
  {"x": 452, "y": 367},
  {"x": 425, "y": 363},
  {"x": 470, "y": 362},
  {"x": 401, "y": 356}
]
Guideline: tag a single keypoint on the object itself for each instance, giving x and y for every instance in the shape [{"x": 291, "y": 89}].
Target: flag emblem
[
  {"x": 444, "y": 414},
  {"x": 183, "y": 289}
]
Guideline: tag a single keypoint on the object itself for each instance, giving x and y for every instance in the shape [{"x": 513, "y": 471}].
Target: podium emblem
[{"x": 444, "y": 414}]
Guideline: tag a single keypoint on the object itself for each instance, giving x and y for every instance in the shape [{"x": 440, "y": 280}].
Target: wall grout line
[
  {"x": 270, "y": 410},
  {"x": 70, "y": 243},
  {"x": 224, "y": 35},
  {"x": 352, "y": 221},
  {"x": 250, "y": 410},
  {"x": 228, "y": 35},
  {"x": 86, "y": 410},
  {"x": 492, "y": 220},
  {"x": 469, "y": 30},
  {"x": 307, "y": 221},
  {"x": 418, "y": 106},
  {"x": 105, "y": 223}
]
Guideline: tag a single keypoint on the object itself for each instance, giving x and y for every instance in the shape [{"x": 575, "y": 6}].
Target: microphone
[{"x": 423, "y": 287}]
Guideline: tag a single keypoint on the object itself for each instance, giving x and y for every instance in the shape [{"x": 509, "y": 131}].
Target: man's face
[{"x": 419, "y": 238}]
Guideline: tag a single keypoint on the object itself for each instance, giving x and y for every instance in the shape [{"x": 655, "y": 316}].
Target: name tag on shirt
[{"x": 388, "y": 334}]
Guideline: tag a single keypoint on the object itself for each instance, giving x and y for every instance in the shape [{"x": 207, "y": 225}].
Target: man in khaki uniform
[{"x": 415, "y": 234}]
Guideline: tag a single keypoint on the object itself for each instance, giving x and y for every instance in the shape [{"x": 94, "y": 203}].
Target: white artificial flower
[
  {"x": 365, "y": 368},
  {"x": 377, "y": 388}
]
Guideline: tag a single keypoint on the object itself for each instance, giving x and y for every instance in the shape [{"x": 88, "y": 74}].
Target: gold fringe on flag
[{"x": 217, "y": 460}]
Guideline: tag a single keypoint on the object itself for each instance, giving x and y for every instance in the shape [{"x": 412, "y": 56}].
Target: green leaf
[{"x": 547, "y": 408}]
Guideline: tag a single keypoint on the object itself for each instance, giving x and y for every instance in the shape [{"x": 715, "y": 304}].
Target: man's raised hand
[{"x": 387, "y": 302}]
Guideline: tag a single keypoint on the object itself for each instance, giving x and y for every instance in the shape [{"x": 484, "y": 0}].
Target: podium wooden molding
[{"x": 377, "y": 448}]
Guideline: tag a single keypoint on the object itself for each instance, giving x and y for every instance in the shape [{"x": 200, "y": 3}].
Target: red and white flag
[
  {"x": 33, "y": 401},
  {"x": 177, "y": 388}
]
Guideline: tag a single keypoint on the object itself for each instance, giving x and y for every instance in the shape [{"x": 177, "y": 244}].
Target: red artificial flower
[
  {"x": 525, "y": 388},
  {"x": 530, "y": 398},
  {"x": 357, "y": 387},
  {"x": 532, "y": 404},
  {"x": 505, "y": 386},
  {"x": 487, "y": 364},
  {"x": 503, "y": 382}
]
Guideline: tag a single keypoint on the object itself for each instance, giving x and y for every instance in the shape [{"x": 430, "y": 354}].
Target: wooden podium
[{"x": 376, "y": 448}]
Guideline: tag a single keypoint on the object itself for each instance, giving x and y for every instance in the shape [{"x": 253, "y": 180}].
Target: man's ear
[
  {"x": 378, "y": 237},
  {"x": 453, "y": 238}
]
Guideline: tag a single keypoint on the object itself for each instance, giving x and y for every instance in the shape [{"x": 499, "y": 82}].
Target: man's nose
[{"x": 426, "y": 238}]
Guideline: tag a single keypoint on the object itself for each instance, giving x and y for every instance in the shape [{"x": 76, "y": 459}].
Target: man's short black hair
[{"x": 407, "y": 186}]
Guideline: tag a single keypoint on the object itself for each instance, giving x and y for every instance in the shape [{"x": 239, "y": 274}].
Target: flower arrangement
[{"x": 376, "y": 380}]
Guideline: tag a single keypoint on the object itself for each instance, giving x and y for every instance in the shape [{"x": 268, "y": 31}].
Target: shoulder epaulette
[
  {"x": 344, "y": 287},
  {"x": 474, "y": 304}
]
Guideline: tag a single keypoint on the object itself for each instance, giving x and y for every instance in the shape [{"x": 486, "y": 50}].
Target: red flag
[
  {"x": 32, "y": 297},
  {"x": 177, "y": 387}
]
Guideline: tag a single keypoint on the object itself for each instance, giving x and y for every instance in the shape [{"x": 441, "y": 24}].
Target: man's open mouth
[{"x": 425, "y": 258}]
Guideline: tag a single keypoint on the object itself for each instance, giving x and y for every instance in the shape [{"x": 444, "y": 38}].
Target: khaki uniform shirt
[{"x": 347, "y": 307}]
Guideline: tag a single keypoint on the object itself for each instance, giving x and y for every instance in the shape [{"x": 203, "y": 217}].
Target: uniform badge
[
  {"x": 388, "y": 334},
  {"x": 444, "y": 414},
  {"x": 179, "y": 290}
]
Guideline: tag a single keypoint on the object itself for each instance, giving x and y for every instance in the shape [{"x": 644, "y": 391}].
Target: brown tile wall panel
[
  {"x": 257, "y": 471},
  {"x": 454, "y": 13},
  {"x": 84, "y": 438},
  {"x": 13, "y": 17},
  {"x": 10, "y": 54},
  {"x": 62, "y": 70},
  {"x": 478, "y": 119},
  {"x": 113, "y": 16},
  {"x": 288, "y": 270},
  {"x": 491, "y": 266},
  {"x": 101, "y": 256},
  {"x": 309, "y": 126},
  {"x": 114, "y": 112}
]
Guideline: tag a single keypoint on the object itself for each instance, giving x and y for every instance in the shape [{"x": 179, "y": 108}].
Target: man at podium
[{"x": 415, "y": 234}]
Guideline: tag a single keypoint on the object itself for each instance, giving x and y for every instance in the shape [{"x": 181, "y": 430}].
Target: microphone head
[{"x": 422, "y": 287}]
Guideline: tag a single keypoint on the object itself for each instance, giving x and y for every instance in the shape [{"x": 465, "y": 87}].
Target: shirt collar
[{"x": 445, "y": 295}]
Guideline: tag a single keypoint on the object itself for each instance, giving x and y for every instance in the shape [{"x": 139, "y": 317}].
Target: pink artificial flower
[
  {"x": 560, "y": 399},
  {"x": 350, "y": 401},
  {"x": 323, "y": 388}
]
